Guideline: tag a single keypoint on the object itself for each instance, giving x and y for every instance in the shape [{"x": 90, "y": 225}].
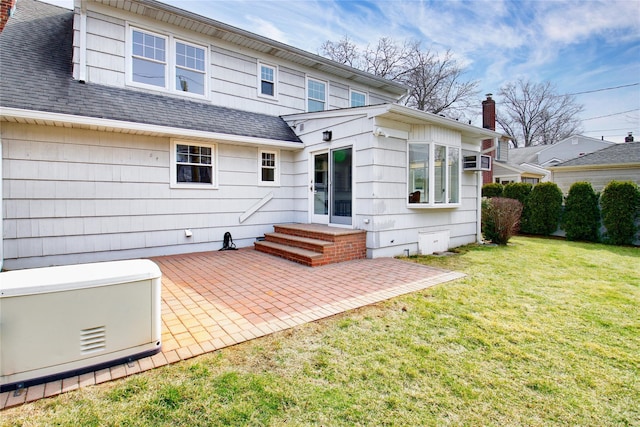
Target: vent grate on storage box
[{"x": 93, "y": 339}]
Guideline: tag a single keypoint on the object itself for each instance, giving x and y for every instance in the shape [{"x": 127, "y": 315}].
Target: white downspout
[
  {"x": 82, "y": 60},
  {"x": 479, "y": 207},
  {"x": 1, "y": 210}
]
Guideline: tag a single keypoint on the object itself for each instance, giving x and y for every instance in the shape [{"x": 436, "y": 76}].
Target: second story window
[
  {"x": 358, "y": 99},
  {"x": 316, "y": 95},
  {"x": 164, "y": 62},
  {"x": 190, "y": 68},
  {"x": 267, "y": 80},
  {"x": 148, "y": 59}
]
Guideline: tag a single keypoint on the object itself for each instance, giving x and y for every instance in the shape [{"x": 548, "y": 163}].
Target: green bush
[
  {"x": 520, "y": 191},
  {"x": 544, "y": 206},
  {"x": 619, "y": 203},
  {"x": 517, "y": 190},
  {"x": 581, "y": 219},
  {"x": 492, "y": 190},
  {"x": 500, "y": 219}
]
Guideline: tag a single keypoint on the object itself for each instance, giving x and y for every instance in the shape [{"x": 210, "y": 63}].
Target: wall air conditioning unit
[
  {"x": 57, "y": 322},
  {"x": 477, "y": 162}
]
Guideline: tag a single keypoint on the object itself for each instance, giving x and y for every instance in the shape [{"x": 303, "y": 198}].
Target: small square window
[{"x": 269, "y": 173}]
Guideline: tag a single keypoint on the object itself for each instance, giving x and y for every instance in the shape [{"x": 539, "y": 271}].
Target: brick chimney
[
  {"x": 6, "y": 10},
  {"x": 488, "y": 122}
]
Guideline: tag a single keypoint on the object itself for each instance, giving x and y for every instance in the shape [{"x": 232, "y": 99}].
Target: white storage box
[
  {"x": 57, "y": 322},
  {"x": 432, "y": 242}
]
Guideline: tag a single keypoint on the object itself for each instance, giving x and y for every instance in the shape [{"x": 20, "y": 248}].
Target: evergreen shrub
[
  {"x": 581, "y": 219},
  {"x": 619, "y": 203},
  {"x": 544, "y": 206},
  {"x": 492, "y": 190},
  {"x": 520, "y": 191}
]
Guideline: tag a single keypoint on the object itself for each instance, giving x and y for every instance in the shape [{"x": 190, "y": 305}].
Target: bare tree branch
[
  {"x": 534, "y": 114},
  {"x": 435, "y": 81}
]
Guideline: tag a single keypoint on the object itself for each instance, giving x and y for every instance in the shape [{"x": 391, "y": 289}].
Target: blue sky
[{"x": 580, "y": 46}]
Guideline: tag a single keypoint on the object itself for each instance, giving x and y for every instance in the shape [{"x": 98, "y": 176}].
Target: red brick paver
[{"x": 212, "y": 300}]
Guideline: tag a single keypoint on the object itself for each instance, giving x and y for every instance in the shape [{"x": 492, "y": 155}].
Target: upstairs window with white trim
[
  {"x": 316, "y": 95},
  {"x": 269, "y": 167},
  {"x": 358, "y": 99},
  {"x": 157, "y": 61},
  {"x": 267, "y": 80},
  {"x": 149, "y": 58},
  {"x": 193, "y": 165},
  {"x": 434, "y": 175},
  {"x": 190, "y": 68}
]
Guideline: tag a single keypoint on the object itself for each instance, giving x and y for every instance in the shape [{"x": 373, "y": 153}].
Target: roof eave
[{"x": 92, "y": 123}]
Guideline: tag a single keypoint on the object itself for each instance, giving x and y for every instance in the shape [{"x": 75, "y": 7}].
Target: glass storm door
[
  {"x": 320, "y": 187},
  {"x": 331, "y": 187}
]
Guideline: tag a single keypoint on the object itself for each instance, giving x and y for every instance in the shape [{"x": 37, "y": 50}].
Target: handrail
[{"x": 253, "y": 209}]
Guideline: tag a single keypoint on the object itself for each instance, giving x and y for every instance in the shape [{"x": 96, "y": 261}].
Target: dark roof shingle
[
  {"x": 36, "y": 74},
  {"x": 613, "y": 155}
]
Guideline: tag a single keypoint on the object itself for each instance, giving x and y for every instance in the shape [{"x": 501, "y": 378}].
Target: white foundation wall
[{"x": 73, "y": 195}]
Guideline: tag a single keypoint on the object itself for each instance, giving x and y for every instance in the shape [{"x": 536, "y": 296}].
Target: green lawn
[{"x": 541, "y": 332}]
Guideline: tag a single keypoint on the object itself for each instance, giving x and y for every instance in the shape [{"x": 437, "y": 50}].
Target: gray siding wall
[
  {"x": 79, "y": 196},
  {"x": 232, "y": 70},
  {"x": 599, "y": 178}
]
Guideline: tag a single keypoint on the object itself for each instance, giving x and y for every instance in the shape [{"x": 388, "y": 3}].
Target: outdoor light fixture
[{"x": 326, "y": 135}]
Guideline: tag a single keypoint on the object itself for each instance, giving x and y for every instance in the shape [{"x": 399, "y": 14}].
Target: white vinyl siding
[
  {"x": 82, "y": 196},
  {"x": 232, "y": 75}
]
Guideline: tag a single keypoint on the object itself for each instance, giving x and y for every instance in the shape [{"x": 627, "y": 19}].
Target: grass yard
[{"x": 541, "y": 332}]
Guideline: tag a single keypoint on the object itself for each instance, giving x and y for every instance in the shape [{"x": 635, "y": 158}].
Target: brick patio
[{"x": 212, "y": 300}]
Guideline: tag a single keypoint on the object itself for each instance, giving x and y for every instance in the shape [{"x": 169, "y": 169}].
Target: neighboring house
[
  {"x": 136, "y": 129},
  {"x": 530, "y": 164},
  {"x": 619, "y": 162}
]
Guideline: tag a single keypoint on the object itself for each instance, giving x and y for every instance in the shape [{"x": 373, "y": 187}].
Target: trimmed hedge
[
  {"x": 520, "y": 191},
  {"x": 544, "y": 208},
  {"x": 581, "y": 219},
  {"x": 619, "y": 204},
  {"x": 492, "y": 190},
  {"x": 517, "y": 190},
  {"x": 500, "y": 219}
]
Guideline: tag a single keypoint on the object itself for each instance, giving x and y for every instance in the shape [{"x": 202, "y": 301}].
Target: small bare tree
[
  {"x": 534, "y": 113},
  {"x": 435, "y": 81}
]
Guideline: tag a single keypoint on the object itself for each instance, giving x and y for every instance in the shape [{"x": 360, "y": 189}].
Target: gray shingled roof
[
  {"x": 36, "y": 74},
  {"x": 518, "y": 156},
  {"x": 614, "y": 155}
]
